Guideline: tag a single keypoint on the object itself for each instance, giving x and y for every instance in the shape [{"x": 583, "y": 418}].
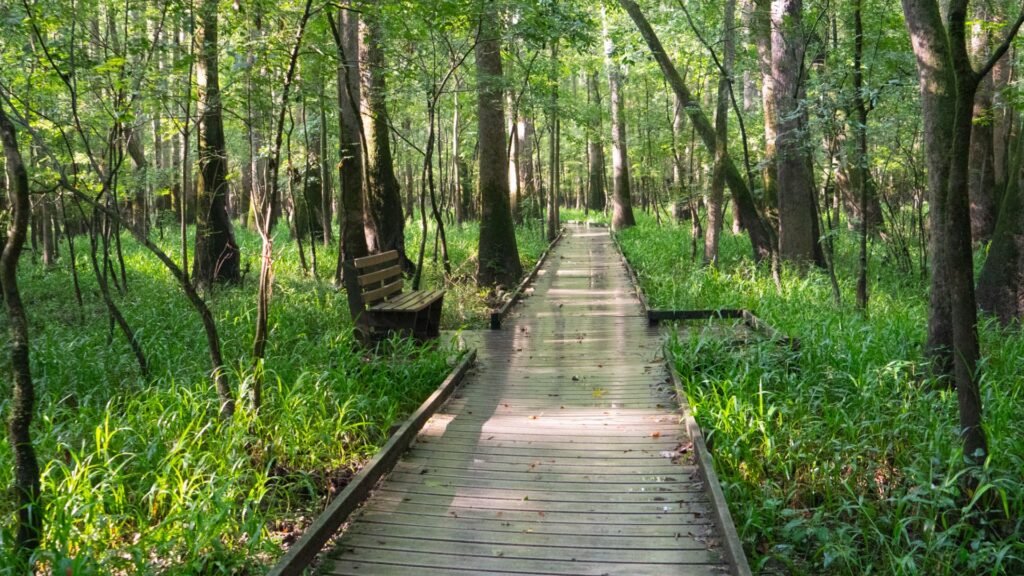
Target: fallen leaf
[{"x": 656, "y": 434}]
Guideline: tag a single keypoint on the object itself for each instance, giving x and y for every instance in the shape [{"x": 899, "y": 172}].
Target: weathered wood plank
[
  {"x": 376, "y": 259},
  {"x": 380, "y": 275},
  {"x": 308, "y": 546},
  {"x": 371, "y": 297},
  {"x": 562, "y": 456}
]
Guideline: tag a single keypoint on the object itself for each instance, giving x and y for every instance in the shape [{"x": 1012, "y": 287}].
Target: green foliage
[
  {"x": 140, "y": 476},
  {"x": 844, "y": 457}
]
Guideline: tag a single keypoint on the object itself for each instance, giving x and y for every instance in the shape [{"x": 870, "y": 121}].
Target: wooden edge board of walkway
[
  {"x": 633, "y": 278},
  {"x": 749, "y": 318},
  {"x": 497, "y": 316},
  {"x": 723, "y": 518},
  {"x": 302, "y": 553}
]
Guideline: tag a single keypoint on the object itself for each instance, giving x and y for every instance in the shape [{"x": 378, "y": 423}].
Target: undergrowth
[
  {"x": 843, "y": 457},
  {"x": 139, "y": 475}
]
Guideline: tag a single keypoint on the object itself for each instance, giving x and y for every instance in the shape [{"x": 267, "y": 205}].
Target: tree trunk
[
  {"x": 499, "y": 256},
  {"x": 26, "y": 489},
  {"x": 528, "y": 181},
  {"x": 555, "y": 159},
  {"x": 797, "y": 241},
  {"x": 383, "y": 191},
  {"x": 216, "y": 256},
  {"x": 595, "y": 147},
  {"x": 715, "y": 198},
  {"x": 622, "y": 207},
  {"x": 1001, "y": 283},
  {"x": 982, "y": 180},
  {"x": 948, "y": 83},
  {"x": 350, "y": 166},
  {"x": 761, "y": 24}
]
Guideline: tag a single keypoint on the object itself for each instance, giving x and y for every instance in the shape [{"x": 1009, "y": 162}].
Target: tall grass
[
  {"x": 844, "y": 457},
  {"x": 140, "y": 476}
]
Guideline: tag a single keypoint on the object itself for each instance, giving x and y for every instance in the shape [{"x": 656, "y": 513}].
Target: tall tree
[
  {"x": 761, "y": 30},
  {"x": 350, "y": 168},
  {"x": 948, "y": 81},
  {"x": 798, "y": 240},
  {"x": 26, "y": 467},
  {"x": 595, "y": 146},
  {"x": 498, "y": 261},
  {"x": 982, "y": 178},
  {"x": 383, "y": 191},
  {"x": 1001, "y": 282},
  {"x": 217, "y": 258},
  {"x": 555, "y": 156},
  {"x": 622, "y": 207},
  {"x": 715, "y": 198}
]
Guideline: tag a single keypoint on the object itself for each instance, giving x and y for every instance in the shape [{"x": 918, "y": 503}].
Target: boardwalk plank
[{"x": 562, "y": 454}]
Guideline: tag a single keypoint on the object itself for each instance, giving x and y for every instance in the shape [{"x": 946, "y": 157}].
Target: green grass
[
  {"x": 843, "y": 458},
  {"x": 140, "y": 476}
]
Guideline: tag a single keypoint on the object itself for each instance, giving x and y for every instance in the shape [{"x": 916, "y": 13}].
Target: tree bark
[
  {"x": 498, "y": 262},
  {"x": 761, "y": 26},
  {"x": 948, "y": 84},
  {"x": 1001, "y": 282},
  {"x": 217, "y": 258},
  {"x": 715, "y": 198},
  {"x": 350, "y": 167},
  {"x": 595, "y": 147},
  {"x": 555, "y": 160},
  {"x": 383, "y": 191},
  {"x": 622, "y": 207},
  {"x": 26, "y": 467},
  {"x": 982, "y": 180},
  {"x": 797, "y": 215}
]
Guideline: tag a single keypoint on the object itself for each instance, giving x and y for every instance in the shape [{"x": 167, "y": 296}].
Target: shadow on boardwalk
[{"x": 561, "y": 454}]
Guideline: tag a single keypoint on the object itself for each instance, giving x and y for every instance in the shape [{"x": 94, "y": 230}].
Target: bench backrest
[{"x": 379, "y": 277}]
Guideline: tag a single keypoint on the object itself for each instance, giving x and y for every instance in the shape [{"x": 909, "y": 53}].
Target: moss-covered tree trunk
[
  {"x": 498, "y": 262},
  {"x": 216, "y": 256},
  {"x": 26, "y": 488},
  {"x": 982, "y": 178}
]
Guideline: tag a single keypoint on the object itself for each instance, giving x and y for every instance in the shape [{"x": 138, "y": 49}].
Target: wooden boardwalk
[{"x": 562, "y": 453}]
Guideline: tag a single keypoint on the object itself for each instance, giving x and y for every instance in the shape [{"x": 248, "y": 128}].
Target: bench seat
[
  {"x": 408, "y": 301},
  {"x": 378, "y": 304}
]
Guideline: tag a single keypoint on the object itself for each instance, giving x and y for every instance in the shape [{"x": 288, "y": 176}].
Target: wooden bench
[{"x": 378, "y": 305}]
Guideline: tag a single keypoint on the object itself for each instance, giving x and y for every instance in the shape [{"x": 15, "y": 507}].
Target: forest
[{"x": 187, "y": 380}]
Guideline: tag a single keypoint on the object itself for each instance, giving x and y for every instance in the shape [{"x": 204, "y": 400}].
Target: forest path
[{"x": 562, "y": 452}]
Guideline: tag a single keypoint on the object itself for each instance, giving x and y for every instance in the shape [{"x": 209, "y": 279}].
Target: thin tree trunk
[
  {"x": 216, "y": 258},
  {"x": 715, "y": 198},
  {"x": 26, "y": 489}
]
